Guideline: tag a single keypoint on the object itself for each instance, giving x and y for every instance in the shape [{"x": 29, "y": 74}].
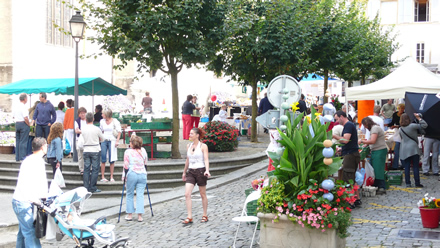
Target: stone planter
[
  {"x": 287, "y": 234},
  {"x": 6, "y": 149}
]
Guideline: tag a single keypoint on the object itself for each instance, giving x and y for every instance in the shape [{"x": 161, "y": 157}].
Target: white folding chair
[{"x": 245, "y": 218}]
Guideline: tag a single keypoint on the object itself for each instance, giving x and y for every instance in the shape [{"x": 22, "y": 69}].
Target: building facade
[{"x": 417, "y": 26}]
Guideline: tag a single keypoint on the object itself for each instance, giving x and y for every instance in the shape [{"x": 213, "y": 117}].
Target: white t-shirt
[
  {"x": 32, "y": 180},
  {"x": 108, "y": 129},
  {"x": 223, "y": 114},
  {"x": 377, "y": 120},
  {"x": 60, "y": 116},
  {"x": 21, "y": 112},
  {"x": 92, "y": 136}
]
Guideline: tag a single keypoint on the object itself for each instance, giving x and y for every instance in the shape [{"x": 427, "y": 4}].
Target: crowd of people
[{"x": 406, "y": 144}]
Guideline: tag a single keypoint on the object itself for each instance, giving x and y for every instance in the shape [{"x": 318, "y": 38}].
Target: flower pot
[
  {"x": 287, "y": 234},
  {"x": 6, "y": 149},
  {"x": 430, "y": 217}
]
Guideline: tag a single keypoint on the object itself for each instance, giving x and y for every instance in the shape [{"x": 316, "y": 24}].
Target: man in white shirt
[
  {"x": 31, "y": 186},
  {"x": 376, "y": 118},
  {"x": 79, "y": 123},
  {"x": 92, "y": 152},
  {"x": 21, "y": 116}
]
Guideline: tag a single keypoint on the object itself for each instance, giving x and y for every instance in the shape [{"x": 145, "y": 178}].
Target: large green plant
[{"x": 302, "y": 159}]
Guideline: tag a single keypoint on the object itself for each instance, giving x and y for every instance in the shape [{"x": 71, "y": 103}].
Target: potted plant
[
  {"x": 301, "y": 207},
  {"x": 7, "y": 143},
  {"x": 429, "y": 211},
  {"x": 220, "y": 136}
]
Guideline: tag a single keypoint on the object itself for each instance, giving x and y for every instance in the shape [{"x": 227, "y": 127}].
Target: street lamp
[{"x": 77, "y": 26}]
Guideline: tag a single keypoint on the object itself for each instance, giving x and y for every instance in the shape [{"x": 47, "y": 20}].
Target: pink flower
[{"x": 323, "y": 230}]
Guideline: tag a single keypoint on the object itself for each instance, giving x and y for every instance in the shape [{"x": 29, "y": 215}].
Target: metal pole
[{"x": 75, "y": 113}]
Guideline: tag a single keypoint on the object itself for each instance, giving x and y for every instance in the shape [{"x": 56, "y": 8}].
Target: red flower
[
  {"x": 329, "y": 225},
  {"x": 285, "y": 204},
  {"x": 338, "y": 200}
]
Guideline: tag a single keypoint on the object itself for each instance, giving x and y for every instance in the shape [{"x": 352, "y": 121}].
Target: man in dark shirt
[
  {"x": 98, "y": 114},
  {"x": 45, "y": 116},
  {"x": 265, "y": 105},
  {"x": 147, "y": 101},
  {"x": 350, "y": 151},
  {"x": 302, "y": 105}
]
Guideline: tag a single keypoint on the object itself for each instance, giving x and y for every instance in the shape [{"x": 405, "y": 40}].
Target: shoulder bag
[
  {"x": 409, "y": 136},
  {"x": 115, "y": 132}
]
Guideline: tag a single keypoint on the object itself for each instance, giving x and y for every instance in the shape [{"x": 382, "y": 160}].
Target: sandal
[
  {"x": 204, "y": 219},
  {"x": 112, "y": 180},
  {"x": 104, "y": 180},
  {"x": 187, "y": 221}
]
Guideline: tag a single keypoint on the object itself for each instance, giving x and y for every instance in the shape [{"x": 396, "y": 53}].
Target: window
[
  {"x": 421, "y": 10},
  {"x": 57, "y": 22},
  {"x": 420, "y": 53}
]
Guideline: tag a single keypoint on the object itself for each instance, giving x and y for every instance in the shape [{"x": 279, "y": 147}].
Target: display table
[{"x": 151, "y": 131}]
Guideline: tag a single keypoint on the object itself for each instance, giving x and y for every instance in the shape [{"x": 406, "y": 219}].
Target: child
[{"x": 223, "y": 113}]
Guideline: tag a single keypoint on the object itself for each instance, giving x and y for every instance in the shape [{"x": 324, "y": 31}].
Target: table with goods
[{"x": 150, "y": 130}]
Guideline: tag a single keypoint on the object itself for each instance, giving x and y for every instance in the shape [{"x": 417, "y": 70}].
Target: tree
[
  {"x": 161, "y": 35},
  {"x": 371, "y": 55},
  {"x": 263, "y": 39}
]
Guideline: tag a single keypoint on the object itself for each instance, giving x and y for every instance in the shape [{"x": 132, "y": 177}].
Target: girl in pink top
[{"x": 135, "y": 160}]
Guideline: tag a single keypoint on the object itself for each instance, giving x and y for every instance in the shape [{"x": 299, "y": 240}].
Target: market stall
[{"x": 410, "y": 76}]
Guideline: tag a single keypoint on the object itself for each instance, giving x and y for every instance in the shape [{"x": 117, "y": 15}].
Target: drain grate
[{"x": 413, "y": 234}]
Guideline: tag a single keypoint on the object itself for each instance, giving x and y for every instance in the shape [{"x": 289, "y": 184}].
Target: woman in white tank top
[{"x": 196, "y": 171}]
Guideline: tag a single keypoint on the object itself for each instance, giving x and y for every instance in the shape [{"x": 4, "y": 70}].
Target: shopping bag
[
  {"x": 40, "y": 223},
  {"x": 59, "y": 179},
  {"x": 80, "y": 142},
  {"x": 369, "y": 174},
  {"x": 360, "y": 175},
  {"x": 68, "y": 148}
]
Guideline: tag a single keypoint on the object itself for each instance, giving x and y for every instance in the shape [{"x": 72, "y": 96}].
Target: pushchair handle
[{"x": 102, "y": 218}]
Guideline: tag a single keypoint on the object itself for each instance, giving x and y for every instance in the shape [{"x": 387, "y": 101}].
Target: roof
[{"x": 63, "y": 86}]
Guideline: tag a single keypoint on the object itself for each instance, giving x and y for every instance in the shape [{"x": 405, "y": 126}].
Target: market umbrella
[{"x": 429, "y": 106}]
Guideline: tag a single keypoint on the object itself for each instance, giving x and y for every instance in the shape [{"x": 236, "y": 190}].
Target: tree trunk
[
  {"x": 175, "y": 152},
  {"x": 254, "y": 111},
  {"x": 325, "y": 85}
]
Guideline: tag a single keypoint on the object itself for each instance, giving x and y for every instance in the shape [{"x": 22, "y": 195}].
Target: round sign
[{"x": 281, "y": 84}]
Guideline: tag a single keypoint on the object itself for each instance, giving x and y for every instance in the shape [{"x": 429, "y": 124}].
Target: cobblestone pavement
[{"x": 376, "y": 222}]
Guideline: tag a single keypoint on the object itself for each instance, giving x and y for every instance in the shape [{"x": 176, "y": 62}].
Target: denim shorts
[
  {"x": 106, "y": 149},
  {"x": 195, "y": 176}
]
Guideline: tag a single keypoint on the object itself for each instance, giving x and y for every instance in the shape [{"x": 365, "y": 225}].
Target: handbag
[
  {"x": 115, "y": 132},
  {"x": 409, "y": 136},
  {"x": 40, "y": 223}
]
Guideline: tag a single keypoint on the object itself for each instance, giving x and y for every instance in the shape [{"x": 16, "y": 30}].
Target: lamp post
[{"x": 77, "y": 26}]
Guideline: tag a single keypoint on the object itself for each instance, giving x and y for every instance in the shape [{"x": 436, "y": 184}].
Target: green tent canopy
[{"x": 63, "y": 86}]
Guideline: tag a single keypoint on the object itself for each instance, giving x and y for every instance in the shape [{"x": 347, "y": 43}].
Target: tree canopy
[{"x": 160, "y": 35}]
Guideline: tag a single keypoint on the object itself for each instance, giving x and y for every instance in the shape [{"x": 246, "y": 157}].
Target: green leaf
[{"x": 294, "y": 181}]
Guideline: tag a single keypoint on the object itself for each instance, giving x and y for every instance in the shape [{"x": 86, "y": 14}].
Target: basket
[
  {"x": 152, "y": 125},
  {"x": 166, "y": 119},
  {"x": 165, "y": 139}
]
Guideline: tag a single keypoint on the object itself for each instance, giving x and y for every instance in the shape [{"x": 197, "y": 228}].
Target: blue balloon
[
  {"x": 328, "y": 184},
  {"x": 328, "y": 152},
  {"x": 328, "y": 196}
]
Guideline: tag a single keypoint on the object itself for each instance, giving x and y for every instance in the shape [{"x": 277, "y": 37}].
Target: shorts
[
  {"x": 350, "y": 165},
  {"x": 195, "y": 176}
]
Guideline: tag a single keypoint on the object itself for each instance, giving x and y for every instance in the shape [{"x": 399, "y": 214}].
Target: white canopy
[{"x": 410, "y": 76}]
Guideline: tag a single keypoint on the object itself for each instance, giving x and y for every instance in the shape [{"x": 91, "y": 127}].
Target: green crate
[
  {"x": 270, "y": 173},
  {"x": 115, "y": 115},
  {"x": 165, "y": 139},
  {"x": 146, "y": 139},
  {"x": 152, "y": 125},
  {"x": 166, "y": 119},
  {"x": 394, "y": 177},
  {"x": 121, "y": 152},
  {"x": 159, "y": 154}
]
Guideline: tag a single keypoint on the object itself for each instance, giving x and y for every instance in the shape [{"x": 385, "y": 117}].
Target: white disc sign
[{"x": 275, "y": 90}]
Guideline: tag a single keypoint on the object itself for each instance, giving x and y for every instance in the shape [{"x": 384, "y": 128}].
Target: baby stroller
[{"x": 66, "y": 209}]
